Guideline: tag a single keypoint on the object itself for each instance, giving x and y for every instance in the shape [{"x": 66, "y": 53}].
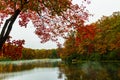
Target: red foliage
[
  {"x": 13, "y": 49},
  {"x": 85, "y": 32},
  {"x": 50, "y": 18}
]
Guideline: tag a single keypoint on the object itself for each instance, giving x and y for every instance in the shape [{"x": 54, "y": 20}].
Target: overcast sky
[{"x": 97, "y": 7}]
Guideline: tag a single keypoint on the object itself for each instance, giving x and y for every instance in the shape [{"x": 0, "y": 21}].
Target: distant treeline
[{"x": 28, "y": 53}]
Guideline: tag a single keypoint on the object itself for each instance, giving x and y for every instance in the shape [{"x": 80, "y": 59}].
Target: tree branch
[
  {"x": 4, "y": 28},
  {"x": 7, "y": 27},
  {"x": 12, "y": 20}
]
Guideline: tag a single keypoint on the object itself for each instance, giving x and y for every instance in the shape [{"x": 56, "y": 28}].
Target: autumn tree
[
  {"x": 70, "y": 47},
  {"x": 107, "y": 40},
  {"x": 51, "y": 18},
  {"x": 97, "y": 41},
  {"x": 79, "y": 43},
  {"x": 12, "y": 49},
  {"x": 103, "y": 40}
]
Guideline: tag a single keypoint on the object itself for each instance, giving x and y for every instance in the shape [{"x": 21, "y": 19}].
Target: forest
[{"x": 98, "y": 41}]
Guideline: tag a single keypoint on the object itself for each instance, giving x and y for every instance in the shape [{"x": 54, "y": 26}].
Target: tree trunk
[{"x": 8, "y": 27}]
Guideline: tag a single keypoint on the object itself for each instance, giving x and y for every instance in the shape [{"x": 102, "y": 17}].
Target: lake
[{"x": 55, "y": 69}]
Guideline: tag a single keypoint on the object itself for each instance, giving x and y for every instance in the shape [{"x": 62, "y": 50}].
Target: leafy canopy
[{"x": 51, "y": 18}]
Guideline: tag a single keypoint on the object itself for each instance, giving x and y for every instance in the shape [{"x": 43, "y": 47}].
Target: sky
[{"x": 97, "y": 7}]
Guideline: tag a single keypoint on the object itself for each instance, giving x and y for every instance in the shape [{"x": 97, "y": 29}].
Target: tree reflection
[
  {"x": 21, "y": 66},
  {"x": 91, "y": 71},
  {"x": 83, "y": 71}
]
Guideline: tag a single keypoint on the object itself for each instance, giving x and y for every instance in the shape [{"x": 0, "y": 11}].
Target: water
[
  {"x": 43, "y": 69},
  {"x": 34, "y": 74},
  {"x": 54, "y": 69}
]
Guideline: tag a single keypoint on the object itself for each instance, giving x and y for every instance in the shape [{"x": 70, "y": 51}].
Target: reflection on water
[
  {"x": 54, "y": 69},
  {"x": 92, "y": 71},
  {"x": 44, "y": 69},
  {"x": 15, "y": 66}
]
